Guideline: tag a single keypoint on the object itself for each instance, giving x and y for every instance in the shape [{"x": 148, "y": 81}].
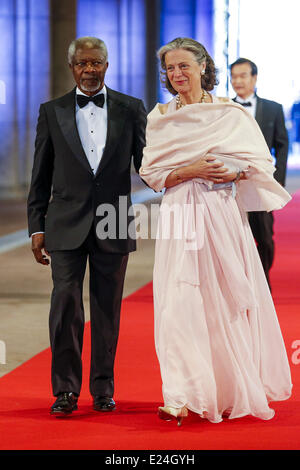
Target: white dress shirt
[
  {"x": 252, "y": 99},
  {"x": 92, "y": 128}
]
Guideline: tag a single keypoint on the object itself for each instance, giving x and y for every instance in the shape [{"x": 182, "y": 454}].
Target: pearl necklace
[{"x": 179, "y": 104}]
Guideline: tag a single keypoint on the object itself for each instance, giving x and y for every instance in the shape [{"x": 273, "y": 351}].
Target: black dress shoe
[
  {"x": 104, "y": 404},
  {"x": 65, "y": 403}
]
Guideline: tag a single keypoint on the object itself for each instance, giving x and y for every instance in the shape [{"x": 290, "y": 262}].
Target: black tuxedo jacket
[
  {"x": 270, "y": 118},
  {"x": 64, "y": 193}
]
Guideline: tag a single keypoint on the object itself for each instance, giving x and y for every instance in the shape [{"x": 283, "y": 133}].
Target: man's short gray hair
[{"x": 86, "y": 42}]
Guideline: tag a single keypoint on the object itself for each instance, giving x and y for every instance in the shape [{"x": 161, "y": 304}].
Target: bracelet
[{"x": 238, "y": 176}]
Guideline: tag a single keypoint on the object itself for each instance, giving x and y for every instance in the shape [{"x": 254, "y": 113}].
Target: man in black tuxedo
[
  {"x": 84, "y": 146},
  {"x": 270, "y": 118}
]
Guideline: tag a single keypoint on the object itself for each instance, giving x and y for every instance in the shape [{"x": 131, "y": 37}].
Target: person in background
[
  {"x": 270, "y": 118},
  {"x": 295, "y": 118}
]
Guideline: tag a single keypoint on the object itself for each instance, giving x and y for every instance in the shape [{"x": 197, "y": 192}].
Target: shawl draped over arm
[{"x": 224, "y": 130}]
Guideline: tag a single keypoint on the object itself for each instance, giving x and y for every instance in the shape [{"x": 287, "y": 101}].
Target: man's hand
[{"x": 37, "y": 245}]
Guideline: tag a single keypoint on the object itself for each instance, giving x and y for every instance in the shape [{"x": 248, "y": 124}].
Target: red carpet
[{"x": 25, "y": 393}]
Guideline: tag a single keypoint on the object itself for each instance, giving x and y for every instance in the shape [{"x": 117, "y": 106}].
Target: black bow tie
[
  {"x": 246, "y": 104},
  {"x": 83, "y": 100}
]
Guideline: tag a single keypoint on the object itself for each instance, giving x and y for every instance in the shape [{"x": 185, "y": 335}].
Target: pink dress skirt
[{"x": 217, "y": 335}]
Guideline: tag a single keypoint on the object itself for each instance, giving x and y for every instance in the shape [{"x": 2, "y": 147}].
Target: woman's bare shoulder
[
  {"x": 163, "y": 107},
  {"x": 167, "y": 107},
  {"x": 224, "y": 99}
]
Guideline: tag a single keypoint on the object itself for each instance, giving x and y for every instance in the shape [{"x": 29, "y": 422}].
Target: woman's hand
[
  {"x": 228, "y": 177},
  {"x": 206, "y": 168},
  {"x": 203, "y": 168}
]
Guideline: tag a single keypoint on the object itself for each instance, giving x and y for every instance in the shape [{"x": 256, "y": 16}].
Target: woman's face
[{"x": 183, "y": 71}]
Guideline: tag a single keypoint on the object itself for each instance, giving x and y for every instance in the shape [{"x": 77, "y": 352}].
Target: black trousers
[
  {"x": 66, "y": 320},
  {"x": 261, "y": 224}
]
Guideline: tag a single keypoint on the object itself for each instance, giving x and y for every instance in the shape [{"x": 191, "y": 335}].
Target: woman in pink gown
[{"x": 217, "y": 336}]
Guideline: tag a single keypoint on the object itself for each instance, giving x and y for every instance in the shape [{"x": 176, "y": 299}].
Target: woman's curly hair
[{"x": 208, "y": 80}]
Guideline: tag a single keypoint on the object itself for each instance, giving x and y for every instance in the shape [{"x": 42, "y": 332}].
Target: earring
[{"x": 203, "y": 72}]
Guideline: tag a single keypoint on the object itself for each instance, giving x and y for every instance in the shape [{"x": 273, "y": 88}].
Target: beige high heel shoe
[{"x": 168, "y": 413}]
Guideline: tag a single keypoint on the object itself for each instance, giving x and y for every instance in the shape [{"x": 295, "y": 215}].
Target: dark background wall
[{"x": 35, "y": 36}]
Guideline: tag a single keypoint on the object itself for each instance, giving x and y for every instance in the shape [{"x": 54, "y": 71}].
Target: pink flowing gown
[{"x": 217, "y": 335}]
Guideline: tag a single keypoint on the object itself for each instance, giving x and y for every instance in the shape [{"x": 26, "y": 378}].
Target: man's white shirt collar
[
  {"x": 103, "y": 90},
  {"x": 251, "y": 99}
]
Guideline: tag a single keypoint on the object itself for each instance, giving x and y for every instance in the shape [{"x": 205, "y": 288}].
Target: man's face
[
  {"x": 89, "y": 68},
  {"x": 242, "y": 81}
]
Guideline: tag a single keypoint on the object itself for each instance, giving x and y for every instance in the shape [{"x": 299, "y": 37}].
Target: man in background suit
[
  {"x": 85, "y": 142},
  {"x": 270, "y": 118}
]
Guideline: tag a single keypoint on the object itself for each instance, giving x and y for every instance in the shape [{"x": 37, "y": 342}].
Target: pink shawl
[{"x": 224, "y": 130}]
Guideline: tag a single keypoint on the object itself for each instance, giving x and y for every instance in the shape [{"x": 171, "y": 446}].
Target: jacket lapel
[
  {"x": 116, "y": 116},
  {"x": 259, "y": 111},
  {"x": 65, "y": 113}
]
